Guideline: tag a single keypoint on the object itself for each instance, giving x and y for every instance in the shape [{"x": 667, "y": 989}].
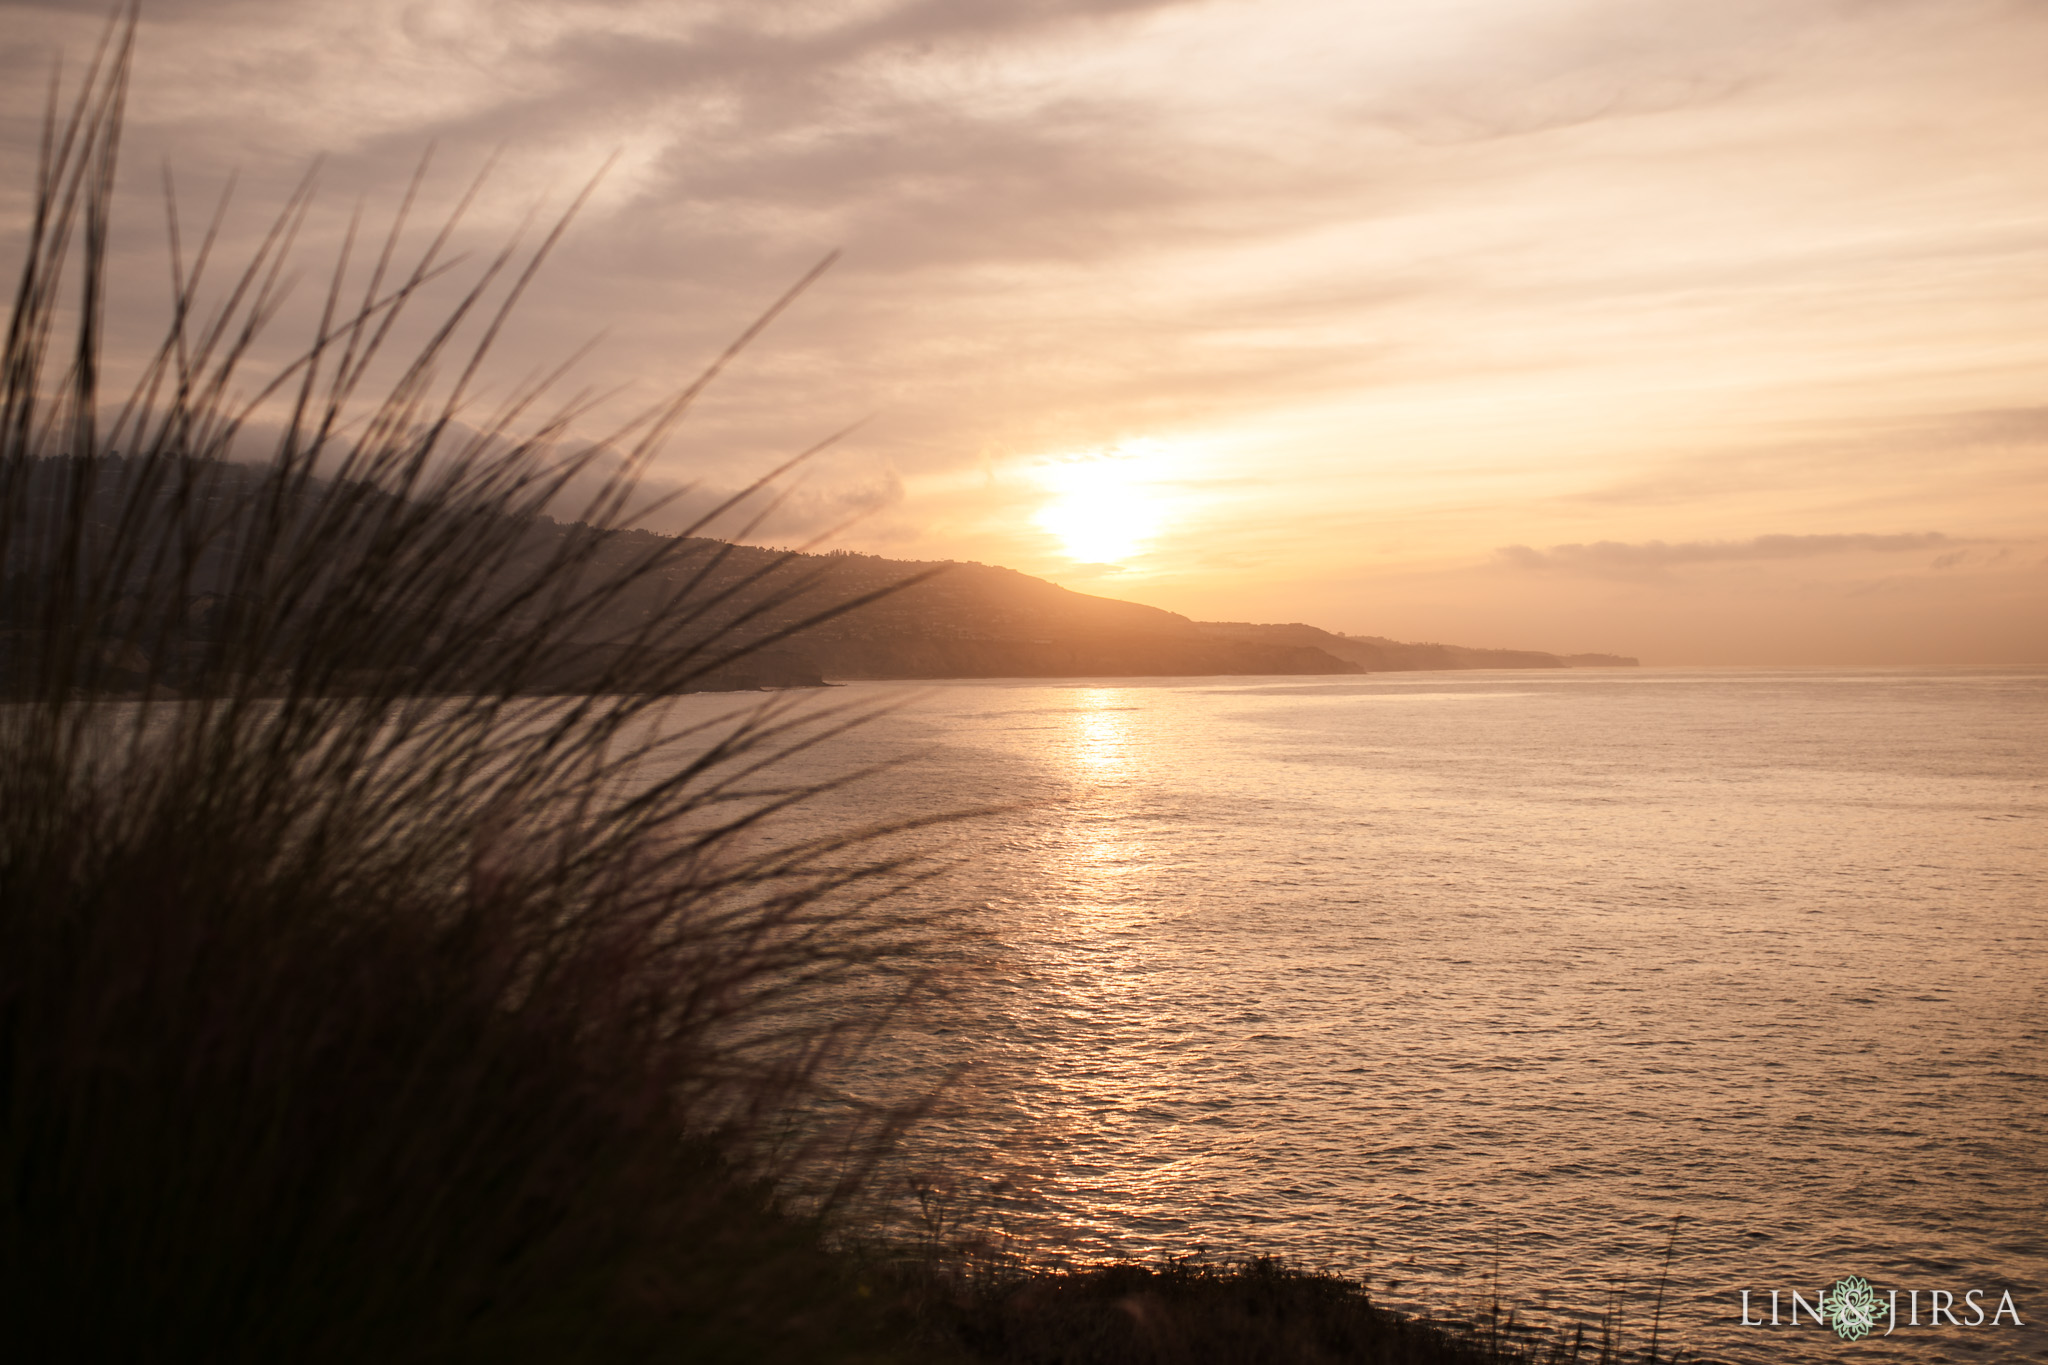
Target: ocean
[{"x": 1555, "y": 986}]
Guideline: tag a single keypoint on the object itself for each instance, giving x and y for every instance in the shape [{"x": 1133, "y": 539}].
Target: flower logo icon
[{"x": 1851, "y": 1306}]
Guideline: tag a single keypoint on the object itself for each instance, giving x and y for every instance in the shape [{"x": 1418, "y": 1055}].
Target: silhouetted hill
[
  {"x": 977, "y": 621},
  {"x": 952, "y": 620},
  {"x": 798, "y": 619},
  {"x": 925, "y": 619},
  {"x": 968, "y": 620}
]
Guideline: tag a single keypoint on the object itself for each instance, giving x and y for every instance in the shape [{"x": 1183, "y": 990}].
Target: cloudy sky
[{"x": 1703, "y": 330}]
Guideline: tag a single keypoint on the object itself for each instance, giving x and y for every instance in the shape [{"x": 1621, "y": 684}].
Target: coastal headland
[{"x": 906, "y": 619}]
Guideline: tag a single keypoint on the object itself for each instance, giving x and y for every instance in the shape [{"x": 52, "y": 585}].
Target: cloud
[
  {"x": 1656, "y": 557},
  {"x": 1884, "y": 457}
]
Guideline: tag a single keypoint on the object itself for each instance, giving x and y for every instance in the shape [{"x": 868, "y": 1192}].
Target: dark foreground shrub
[{"x": 1257, "y": 1312}]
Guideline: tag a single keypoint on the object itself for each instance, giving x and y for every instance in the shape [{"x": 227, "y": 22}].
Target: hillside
[
  {"x": 937, "y": 620},
  {"x": 968, "y": 620},
  {"x": 794, "y": 619}
]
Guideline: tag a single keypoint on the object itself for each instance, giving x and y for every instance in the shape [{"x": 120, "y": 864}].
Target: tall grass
[{"x": 383, "y": 976}]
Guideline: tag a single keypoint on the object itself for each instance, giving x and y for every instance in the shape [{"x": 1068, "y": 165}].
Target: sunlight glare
[{"x": 1105, "y": 507}]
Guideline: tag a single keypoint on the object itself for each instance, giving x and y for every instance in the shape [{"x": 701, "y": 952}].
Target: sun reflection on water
[
  {"x": 1101, "y": 741},
  {"x": 1101, "y": 857}
]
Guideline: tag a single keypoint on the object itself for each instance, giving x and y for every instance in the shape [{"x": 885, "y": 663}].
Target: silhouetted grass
[
  {"x": 363, "y": 996},
  {"x": 969, "y": 1280},
  {"x": 1260, "y": 1311}
]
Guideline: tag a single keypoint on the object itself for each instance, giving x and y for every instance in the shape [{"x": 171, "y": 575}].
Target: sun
[{"x": 1105, "y": 506}]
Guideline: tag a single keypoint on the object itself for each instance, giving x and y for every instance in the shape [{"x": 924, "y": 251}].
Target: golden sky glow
[{"x": 1704, "y": 330}]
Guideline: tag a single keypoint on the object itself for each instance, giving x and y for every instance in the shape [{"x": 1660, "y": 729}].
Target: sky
[{"x": 1706, "y": 331}]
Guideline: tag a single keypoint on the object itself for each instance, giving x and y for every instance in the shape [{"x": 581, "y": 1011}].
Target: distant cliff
[
  {"x": 1377, "y": 654},
  {"x": 967, "y": 620},
  {"x": 975, "y": 621}
]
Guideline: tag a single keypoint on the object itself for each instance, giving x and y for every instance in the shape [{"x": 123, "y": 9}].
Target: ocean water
[{"x": 1516, "y": 982}]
